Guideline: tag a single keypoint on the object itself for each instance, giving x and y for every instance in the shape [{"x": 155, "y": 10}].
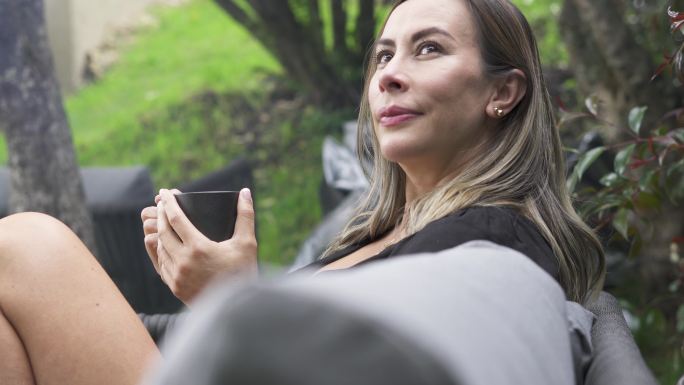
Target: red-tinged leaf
[
  {"x": 662, "y": 155},
  {"x": 678, "y": 65},
  {"x": 665, "y": 139},
  {"x": 676, "y": 25},
  {"x": 560, "y": 103},
  {"x": 660, "y": 69},
  {"x": 640, "y": 162},
  {"x": 678, "y": 239},
  {"x": 674, "y": 15}
]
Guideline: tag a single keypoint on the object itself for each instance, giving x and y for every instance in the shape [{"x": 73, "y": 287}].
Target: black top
[{"x": 500, "y": 225}]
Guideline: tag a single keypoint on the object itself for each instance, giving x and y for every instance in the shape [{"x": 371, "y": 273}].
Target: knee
[
  {"x": 32, "y": 232},
  {"x": 32, "y": 225}
]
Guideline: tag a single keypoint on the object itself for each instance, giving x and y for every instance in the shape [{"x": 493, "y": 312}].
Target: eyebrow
[{"x": 423, "y": 33}]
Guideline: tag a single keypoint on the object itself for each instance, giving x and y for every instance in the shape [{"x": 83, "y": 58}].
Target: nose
[{"x": 392, "y": 78}]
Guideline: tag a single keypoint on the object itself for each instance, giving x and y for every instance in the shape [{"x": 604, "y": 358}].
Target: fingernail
[{"x": 246, "y": 194}]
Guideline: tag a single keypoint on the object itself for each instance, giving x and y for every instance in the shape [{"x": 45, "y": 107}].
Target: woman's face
[{"x": 429, "y": 94}]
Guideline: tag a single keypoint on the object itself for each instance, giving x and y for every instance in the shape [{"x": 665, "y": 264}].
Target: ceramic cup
[{"x": 213, "y": 213}]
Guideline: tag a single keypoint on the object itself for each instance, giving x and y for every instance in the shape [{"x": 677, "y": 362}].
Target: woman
[{"x": 458, "y": 125}]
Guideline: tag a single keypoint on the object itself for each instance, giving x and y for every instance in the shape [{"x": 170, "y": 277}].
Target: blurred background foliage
[{"x": 210, "y": 82}]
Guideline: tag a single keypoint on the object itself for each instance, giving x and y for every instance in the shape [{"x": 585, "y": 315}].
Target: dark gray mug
[{"x": 213, "y": 213}]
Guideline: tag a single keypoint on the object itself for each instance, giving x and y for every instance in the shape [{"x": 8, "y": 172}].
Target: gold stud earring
[{"x": 499, "y": 111}]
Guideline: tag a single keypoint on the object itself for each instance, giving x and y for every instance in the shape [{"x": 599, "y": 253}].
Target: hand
[
  {"x": 149, "y": 219},
  {"x": 188, "y": 261}
]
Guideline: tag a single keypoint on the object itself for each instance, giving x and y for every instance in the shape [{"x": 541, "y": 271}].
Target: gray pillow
[{"x": 475, "y": 314}]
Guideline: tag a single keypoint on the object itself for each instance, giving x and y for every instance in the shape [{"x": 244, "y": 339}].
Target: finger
[
  {"x": 148, "y": 212},
  {"x": 166, "y": 264},
  {"x": 157, "y": 198},
  {"x": 166, "y": 233},
  {"x": 177, "y": 219},
  {"x": 151, "y": 245},
  {"x": 244, "y": 223},
  {"x": 150, "y": 226}
]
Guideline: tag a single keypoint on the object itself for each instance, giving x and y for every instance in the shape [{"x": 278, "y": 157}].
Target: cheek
[
  {"x": 460, "y": 96},
  {"x": 373, "y": 93}
]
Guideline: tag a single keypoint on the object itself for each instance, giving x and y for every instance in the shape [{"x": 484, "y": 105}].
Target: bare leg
[
  {"x": 67, "y": 315},
  {"x": 14, "y": 364}
]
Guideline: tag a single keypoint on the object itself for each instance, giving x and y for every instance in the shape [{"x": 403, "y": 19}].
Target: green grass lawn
[{"x": 195, "y": 47}]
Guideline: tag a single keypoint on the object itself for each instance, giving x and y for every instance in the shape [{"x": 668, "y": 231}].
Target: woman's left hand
[{"x": 188, "y": 260}]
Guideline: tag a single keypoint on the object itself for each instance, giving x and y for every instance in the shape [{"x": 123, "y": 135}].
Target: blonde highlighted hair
[{"x": 523, "y": 167}]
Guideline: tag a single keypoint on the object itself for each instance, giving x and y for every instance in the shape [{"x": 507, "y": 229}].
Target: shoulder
[{"x": 500, "y": 225}]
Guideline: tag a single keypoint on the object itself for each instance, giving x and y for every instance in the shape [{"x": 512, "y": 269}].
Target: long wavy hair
[{"x": 523, "y": 167}]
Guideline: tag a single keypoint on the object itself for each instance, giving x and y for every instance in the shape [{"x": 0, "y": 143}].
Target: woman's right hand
[{"x": 150, "y": 229}]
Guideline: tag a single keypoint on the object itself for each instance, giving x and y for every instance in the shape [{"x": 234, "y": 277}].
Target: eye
[
  {"x": 383, "y": 57},
  {"x": 428, "y": 47}
]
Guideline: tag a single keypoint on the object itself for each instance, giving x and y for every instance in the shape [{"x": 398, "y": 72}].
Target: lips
[{"x": 395, "y": 115}]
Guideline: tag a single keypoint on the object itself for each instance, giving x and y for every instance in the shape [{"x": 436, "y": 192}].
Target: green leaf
[
  {"x": 587, "y": 159},
  {"x": 673, "y": 287},
  {"x": 636, "y": 116},
  {"x": 622, "y": 158},
  {"x": 620, "y": 222},
  {"x": 655, "y": 323},
  {"x": 674, "y": 187},
  {"x": 609, "y": 180},
  {"x": 571, "y": 182},
  {"x": 647, "y": 200},
  {"x": 635, "y": 246},
  {"x": 679, "y": 166},
  {"x": 662, "y": 130},
  {"x": 648, "y": 180},
  {"x": 680, "y": 319},
  {"x": 609, "y": 205}
]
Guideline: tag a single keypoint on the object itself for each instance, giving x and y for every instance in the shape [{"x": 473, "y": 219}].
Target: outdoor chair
[{"x": 405, "y": 321}]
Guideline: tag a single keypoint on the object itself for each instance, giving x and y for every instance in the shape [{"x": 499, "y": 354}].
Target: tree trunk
[
  {"x": 322, "y": 72},
  {"x": 339, "y": 27},
  {"x": 43, "y": 170},
  {"x": 609, "y": 62},
  {"x": 365, "y": 27}
]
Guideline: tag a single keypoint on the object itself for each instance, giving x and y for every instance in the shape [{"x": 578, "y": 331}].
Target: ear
[{"x": 508, "y": 92}]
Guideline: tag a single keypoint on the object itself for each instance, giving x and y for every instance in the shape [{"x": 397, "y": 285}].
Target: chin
[{"x": 399, "y": 152}]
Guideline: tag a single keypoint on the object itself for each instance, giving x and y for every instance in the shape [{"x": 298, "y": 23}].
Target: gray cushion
[{"x": 475, "y": 314}]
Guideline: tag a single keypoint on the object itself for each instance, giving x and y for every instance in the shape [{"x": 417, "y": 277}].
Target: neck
[
  {"x": 422, "y": 180},
  {"x": 424, "y": 175}
]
